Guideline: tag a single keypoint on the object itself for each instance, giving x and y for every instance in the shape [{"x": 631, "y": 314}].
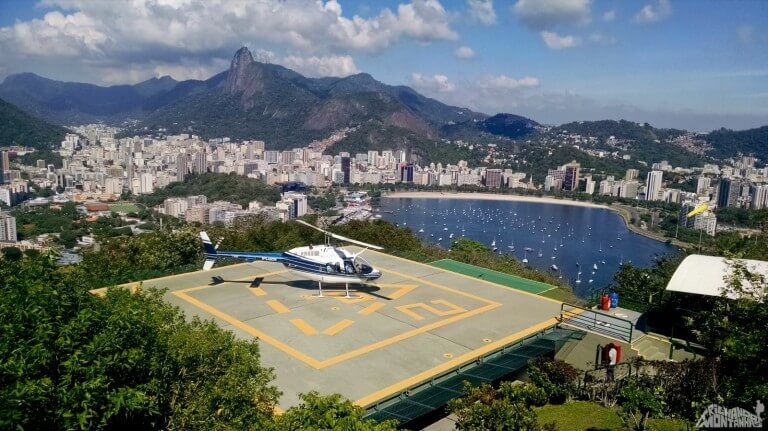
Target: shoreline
[{"x": 621, "y": 212}]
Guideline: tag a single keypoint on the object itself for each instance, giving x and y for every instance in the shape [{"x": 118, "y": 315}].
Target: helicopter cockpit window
[
  {"x": 348, "y": 267},
  {"x": 363, "y": 267}
]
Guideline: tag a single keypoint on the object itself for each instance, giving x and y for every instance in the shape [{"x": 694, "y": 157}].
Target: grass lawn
[
  {"x": 585, "y": 415},
  {"x": 561, "y": 294},
  {"x": 124, "y": 208}
]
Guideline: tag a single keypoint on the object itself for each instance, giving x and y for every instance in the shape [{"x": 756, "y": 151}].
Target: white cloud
[
  {"x": 110, "y": 34},
  {"x": 433, "y": 83},
  {"x": 185, "y": 69},
  {"x": 482, "y": 11},
  {"x": 653, "y": 12},
  {"x": 326, "y": 65},
  {"x": 555, "y": 41},
  {"x": 547, "y": 14},
  {"x": 329, "y": 65},
  {"x": 609, "y": 15},
  {"x": 464, "y": 52},
  {"x": 602, "y": 39},
  {"x": 504, "y": 82}
]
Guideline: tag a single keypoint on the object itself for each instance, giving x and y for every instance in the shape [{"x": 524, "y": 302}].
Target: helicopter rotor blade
[{"x": 341, "y": 238}]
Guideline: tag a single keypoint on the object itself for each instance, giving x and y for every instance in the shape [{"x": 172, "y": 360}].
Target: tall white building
[
  {"x": 653, "y": 185},
  {"x": 759, "y": 196},
  {"x": 7, "y": 227},
  {"x": 113, "y": 186},
  {"x": 702, "y": 185},
  {"x": 147, "y": 181}
]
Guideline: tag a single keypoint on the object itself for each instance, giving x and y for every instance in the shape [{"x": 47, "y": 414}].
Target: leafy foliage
[
  {"x": 648, "y": 143},
  {"x": 558, "y": 379},
  {"x": 639, "y": 403},
  {"x": 19, "y": 128},
  {"x": 735, "y": 332},
  {"x": 508, "y": 408},
  {"x": 121, "y": 361},
  {"x": 499, "y": 125},
  {"x": 226, "y": 187},
  {"x": 120, "y": 260},
  {"x": 727, "y": 143},
  {"x": 742, "y": 217},
  {"x": 329, "y": 413}
]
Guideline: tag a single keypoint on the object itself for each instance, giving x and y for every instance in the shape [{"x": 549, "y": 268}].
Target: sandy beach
[{"x": 493, "y": 197}]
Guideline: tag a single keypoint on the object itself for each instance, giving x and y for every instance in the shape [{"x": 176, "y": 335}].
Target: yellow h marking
[{"x": 278, "y": 306}]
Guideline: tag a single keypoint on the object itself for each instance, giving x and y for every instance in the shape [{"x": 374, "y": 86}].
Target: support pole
[
  {"x": 319, "y": 289},
  {"x": 346, "y": 287}
]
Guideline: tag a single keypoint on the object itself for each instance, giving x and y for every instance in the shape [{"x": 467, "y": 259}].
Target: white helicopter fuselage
[{"x": 336, "y": 265}]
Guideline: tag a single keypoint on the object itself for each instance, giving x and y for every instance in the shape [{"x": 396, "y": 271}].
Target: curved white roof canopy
[{"x": 706, "y": 275}]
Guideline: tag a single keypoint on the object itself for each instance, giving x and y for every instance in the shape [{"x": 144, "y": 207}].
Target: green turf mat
[{"x": 492, "y": 276}]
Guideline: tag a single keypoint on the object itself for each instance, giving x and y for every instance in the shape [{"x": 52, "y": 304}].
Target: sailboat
[
  {"x": 594, "y": 266},
  {"x": 525, "y": 258},
  {"x": 540, "y": 252},
  {"x": 578, "y": 278},
  {"x": 493, "y": 245}
]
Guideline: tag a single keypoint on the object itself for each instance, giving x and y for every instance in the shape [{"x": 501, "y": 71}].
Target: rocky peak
[{"x": 236, "y": 77}]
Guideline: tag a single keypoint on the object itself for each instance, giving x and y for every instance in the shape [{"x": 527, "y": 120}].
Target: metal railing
[
  {"x": 596, "y": 321},
  {"x": 600, "y": 374}
]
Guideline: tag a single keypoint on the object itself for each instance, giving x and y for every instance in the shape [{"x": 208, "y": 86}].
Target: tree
[
  {"x": 734, "y": 331},
  {"x": 508, "y": 408},
  {"x": 70, "y": 360},
  {"x": 557, "y": 378},
  {"x": 11, "y": 253},
  {"x": 638, "y": 403},
  {"x": 332, "y": 412}
]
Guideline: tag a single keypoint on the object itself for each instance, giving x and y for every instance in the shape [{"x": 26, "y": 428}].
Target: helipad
[{"x": 417, "y": 322}]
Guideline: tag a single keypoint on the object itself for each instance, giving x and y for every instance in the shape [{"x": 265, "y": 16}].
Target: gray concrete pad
[{"x": 415, "y": 322}]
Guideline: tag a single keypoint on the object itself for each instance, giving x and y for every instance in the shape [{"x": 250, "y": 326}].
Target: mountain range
[{"x": 254, "y": 100}]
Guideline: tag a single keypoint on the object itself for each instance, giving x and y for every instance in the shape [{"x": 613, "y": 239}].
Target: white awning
[{"x": 706, "y": 275}]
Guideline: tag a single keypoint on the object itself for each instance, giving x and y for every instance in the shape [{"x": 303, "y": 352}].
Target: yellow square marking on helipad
[
  {"x": 401, "y": 290},
  {"x": 278, "y": 306},
  {"x": 335, "y": 329},
  {"x": 304, "y": 327}
]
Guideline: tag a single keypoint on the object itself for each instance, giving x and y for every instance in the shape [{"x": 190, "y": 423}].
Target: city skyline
[{"x": 554, "y": 60}]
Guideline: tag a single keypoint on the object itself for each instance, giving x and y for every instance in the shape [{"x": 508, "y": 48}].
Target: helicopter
[{"x": 322, "y": 263}]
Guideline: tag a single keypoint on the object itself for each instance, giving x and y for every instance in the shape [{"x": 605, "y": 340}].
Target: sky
[{"x": 696, "y": 64}]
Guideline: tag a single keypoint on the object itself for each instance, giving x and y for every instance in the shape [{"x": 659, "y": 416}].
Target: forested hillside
[{"x": 225, "y": 187}]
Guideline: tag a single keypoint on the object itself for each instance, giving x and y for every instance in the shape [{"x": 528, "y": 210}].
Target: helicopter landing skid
[{"x": 346, "y": 290}]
